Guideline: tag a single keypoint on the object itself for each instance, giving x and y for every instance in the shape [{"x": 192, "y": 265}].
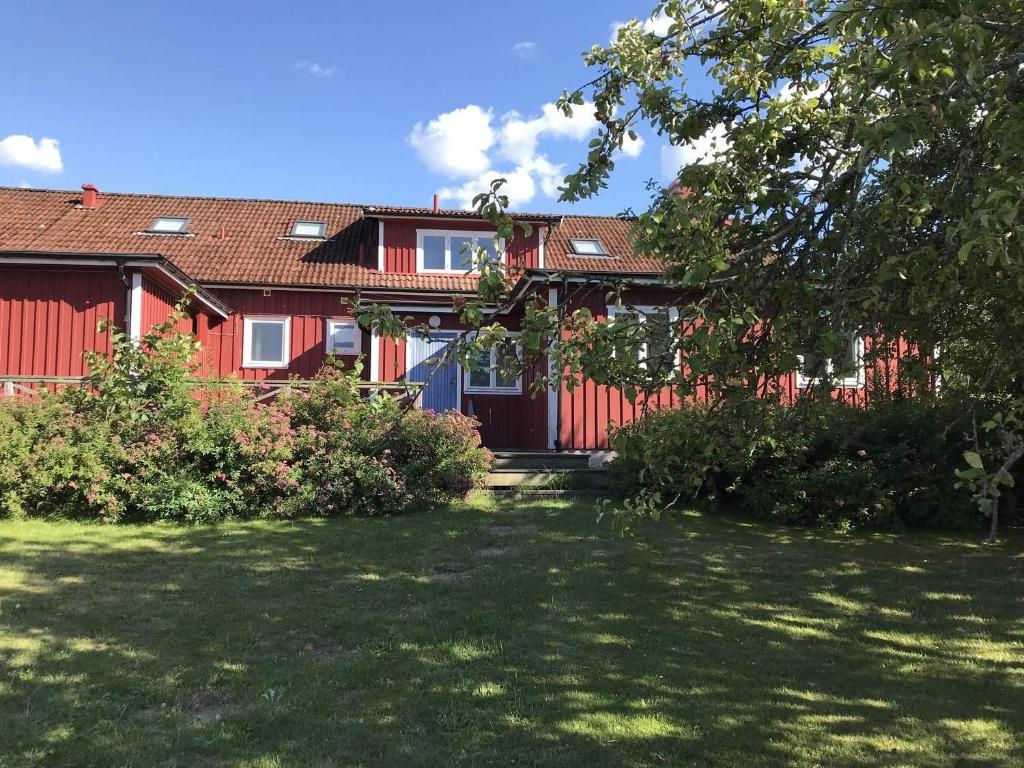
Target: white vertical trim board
[
  {"x": 135, "y": 309},
  {"x": 540, "y": 252},
  {"x": 375, "y": 342},
  {"x": 552, "y": 391},
  {"x": 380, "y": 245}
]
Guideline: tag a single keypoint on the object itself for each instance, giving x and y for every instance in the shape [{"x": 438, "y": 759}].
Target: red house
[{"x": 273, "y": 280}]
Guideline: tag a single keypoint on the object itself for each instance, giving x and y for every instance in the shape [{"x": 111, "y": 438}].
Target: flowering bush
[{"x": 137, "y": 444}]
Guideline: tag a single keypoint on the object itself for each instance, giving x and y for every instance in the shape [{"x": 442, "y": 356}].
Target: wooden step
[
  {"x": 553, "y": 479},
  {"x": 540, "y": 460}
]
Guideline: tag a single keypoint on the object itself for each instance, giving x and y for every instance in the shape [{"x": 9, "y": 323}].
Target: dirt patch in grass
[
  {"x": 451, "y": 572},
  {"x": 208, "y": 706},
  {"x": 326, "y": 651},
  {"x": 494, "y": 551}
]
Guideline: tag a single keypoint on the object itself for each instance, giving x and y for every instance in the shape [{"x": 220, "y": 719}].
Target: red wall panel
[
  {"x": 48, "y": 318},
  {"x": 308, "y": 311}
]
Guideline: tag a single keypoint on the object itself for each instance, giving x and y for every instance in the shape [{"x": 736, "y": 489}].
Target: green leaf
[{"x": 974, "y": 459}]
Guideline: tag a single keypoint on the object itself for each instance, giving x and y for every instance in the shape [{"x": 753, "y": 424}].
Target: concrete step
[
  {"x": 540, "y": 460},
  {"x": 553, "y": 479}
]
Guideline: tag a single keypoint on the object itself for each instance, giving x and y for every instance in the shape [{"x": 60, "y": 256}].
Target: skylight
[
  {"x": 588, "y": 248},
  {"x": 311, "y": 229},
  {"x": 170, "y": 225}
]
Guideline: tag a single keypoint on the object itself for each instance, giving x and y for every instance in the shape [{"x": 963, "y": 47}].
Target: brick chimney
[
  {"x": 90, "y": 196},
  {"x": 437, "y": 203}
]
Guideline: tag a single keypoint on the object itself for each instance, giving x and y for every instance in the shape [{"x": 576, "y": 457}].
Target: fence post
[{"x": 8, "y": 389}]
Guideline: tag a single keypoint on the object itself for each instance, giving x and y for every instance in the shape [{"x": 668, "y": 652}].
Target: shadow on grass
[{"x": 507, "y": 636}]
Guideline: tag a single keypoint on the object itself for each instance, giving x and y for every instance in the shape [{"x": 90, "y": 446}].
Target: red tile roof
[{"x": 256, "y": 248}]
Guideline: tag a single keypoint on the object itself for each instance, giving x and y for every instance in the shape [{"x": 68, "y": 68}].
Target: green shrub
[
  {"x": 817, "y": 463},
  {"x": 137, "y": 444}
]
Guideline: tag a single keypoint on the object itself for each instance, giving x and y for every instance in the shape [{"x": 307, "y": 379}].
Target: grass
[{"x": 499, "y": 635}]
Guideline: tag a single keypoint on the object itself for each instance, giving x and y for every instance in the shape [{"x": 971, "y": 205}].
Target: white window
[
  {"x": 265, "y": 342},
  {"x": 588, "y": 247},
  {"x": 343, "y": 337},
  {"x": 454, "y": 252},
  {"x": 845, "y": 371},
  {"x": 312, "y": 229},
  {"x": 170, "y": 225},
  {"x": 496, "y": 371},
  {"x": 649, "y": 332}
]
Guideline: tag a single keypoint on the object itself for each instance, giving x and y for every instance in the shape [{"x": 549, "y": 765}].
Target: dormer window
[
  {"x": 454, "y": 252},
  {"x": 169, "y": 225},
  {"x": 312, "y": 230},
  {"x": 581, "y": 247}
]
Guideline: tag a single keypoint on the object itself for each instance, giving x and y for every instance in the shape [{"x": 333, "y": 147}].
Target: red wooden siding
[
  {"x": 589, "y": 408},
  {"x": 308, "y": 311},
  {"x": 157, "y": 303},
  {"x": 400, "y": 242},
  {"x": 48, "y": 318}
]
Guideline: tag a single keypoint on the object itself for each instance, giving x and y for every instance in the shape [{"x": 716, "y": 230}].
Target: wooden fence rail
[{"x": 11, "y": 386}]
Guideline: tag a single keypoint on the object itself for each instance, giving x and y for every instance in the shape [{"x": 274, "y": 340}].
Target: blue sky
[{"x": 339, "y": 101}]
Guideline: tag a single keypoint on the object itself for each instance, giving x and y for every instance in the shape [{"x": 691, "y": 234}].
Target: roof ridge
[{"x": 165, "y": 196}]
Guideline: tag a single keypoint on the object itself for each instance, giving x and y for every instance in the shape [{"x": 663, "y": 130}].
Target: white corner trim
[
  {"x": 135, "y": 299},
  {"x": 380, "y": 245},
  {"x": 540, "y": 253},
  {"x": 552, "y": 388},
  {"x": 375, "y": 342}
]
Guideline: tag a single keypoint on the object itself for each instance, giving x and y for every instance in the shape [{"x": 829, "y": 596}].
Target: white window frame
[
  {"x": 182, "y": 230},
  {"x": 448, "y": 234},
  {"x": 855, "y": 381},
  {"x": 299, "y": 222},
  {"x": 643, "y": 310},
  {"x": 493, "y": 388},
  {"x": 247, "y": 361},
  {"x": 328, "y": 335},
  {"x": 602, "y": 251}
]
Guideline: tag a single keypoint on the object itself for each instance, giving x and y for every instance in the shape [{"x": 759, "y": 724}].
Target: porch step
[
  {"x": 547, "y": 479},
  {"x": 540, "y": 460}
]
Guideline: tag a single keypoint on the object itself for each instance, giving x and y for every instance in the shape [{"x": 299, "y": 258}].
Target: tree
[{"x": 864, "y": 169}]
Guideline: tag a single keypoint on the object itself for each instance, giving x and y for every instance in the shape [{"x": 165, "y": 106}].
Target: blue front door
[{"x": 441, "y": 392}]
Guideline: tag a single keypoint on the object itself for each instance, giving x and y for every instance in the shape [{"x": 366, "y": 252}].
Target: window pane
[
  {"x": 267, "y": 341},
  {"x": 847, "y": 364},
  {"x": 463, "y": 253},
  {"x": 433, "y": 252},
  {"x": 480, "y": 376},
  {"x": 342, "y": 338},
  {"x": 506, "y": 357},
  {"x": 658, "y": 334},
  {"x": 166, "y": 224},
  {"x": 627, "y": 335},
  {"x": 588, "y": 247},
  {"x": 308, "y": 229}
]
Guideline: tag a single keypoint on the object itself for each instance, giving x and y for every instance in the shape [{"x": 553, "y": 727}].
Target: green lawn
[{"x": 495, "y": 634}]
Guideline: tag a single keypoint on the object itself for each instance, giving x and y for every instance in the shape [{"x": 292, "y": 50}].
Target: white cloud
[
  {"x": 525, "y": 49},
  {"x": 633, "y": 147},
  {"x": 315, "y": 69},
  {"x": 468, "y": 145},
  {"x": 701, "y": 150},
  {"x": 456, "y": 143},
  {"x": 25, "y": 152},
  {"x": 658, "y": 24}
]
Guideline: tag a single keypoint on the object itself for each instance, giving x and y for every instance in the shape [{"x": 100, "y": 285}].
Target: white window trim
[
  {"x": 247, "y": 361},
  {"x": 350, "y": 321},
  {"x": 643, "y": 310},
  {"x": 603, "y": 254},
  {"x": 448, "y": 234},
  {"x": 846, "y": 382},
  {"x": 494, "y": 389}
]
